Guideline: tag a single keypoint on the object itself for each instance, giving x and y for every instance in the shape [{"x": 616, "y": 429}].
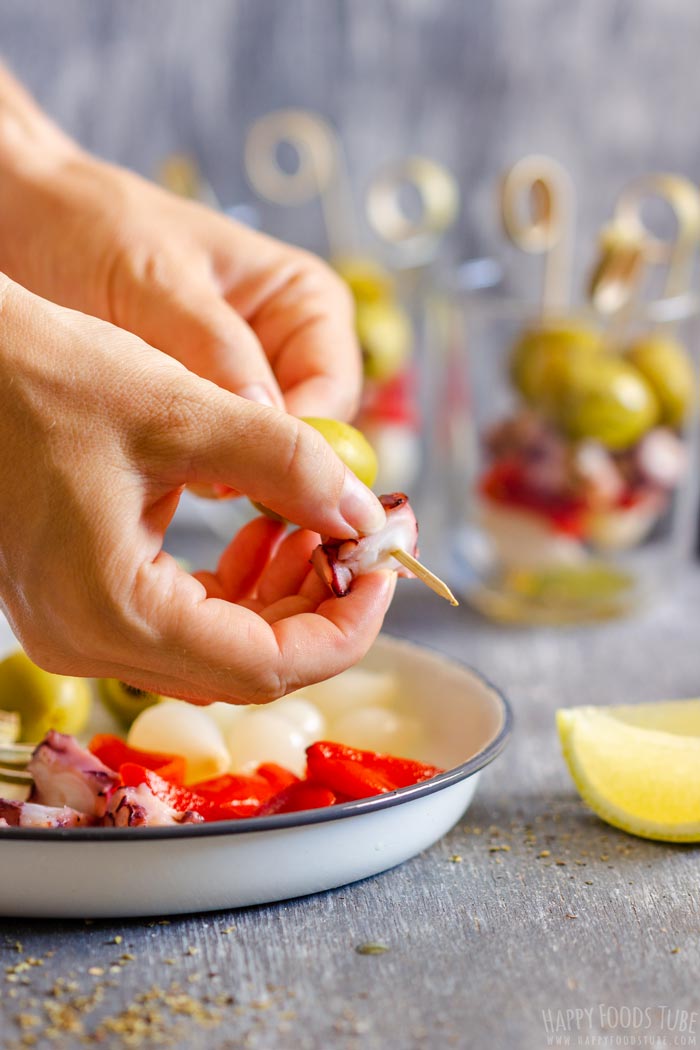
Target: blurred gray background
[{"x": 609, "y": 87}]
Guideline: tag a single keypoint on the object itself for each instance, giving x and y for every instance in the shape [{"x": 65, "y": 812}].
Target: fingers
[
  {"x": 288, "y": 570},
  {"x": 321, "y": 396},
  {"x": 318, "y": 645},
  {"x": 218, "y": 650},
  {"x": 314, "y": 588},
  {"x": 308, "y": 333},
  {"x": 185, "y": 316},
  {"x": 292, "y": 605},
  {"x": 205, "y": 435},
  {"x": 303, "y": 315},
  {"x": 211, "y": 584},
  {"x": 246, "y": 557}
]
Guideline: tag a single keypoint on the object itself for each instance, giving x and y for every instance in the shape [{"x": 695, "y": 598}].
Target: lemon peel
[{"x": 638, "y": 767}]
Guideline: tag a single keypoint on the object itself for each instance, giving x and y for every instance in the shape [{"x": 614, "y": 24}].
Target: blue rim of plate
[{"x": 303, "y": 818}]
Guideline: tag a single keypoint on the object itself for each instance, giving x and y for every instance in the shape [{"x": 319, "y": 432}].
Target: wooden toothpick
[{"x": 428, "y": 578}]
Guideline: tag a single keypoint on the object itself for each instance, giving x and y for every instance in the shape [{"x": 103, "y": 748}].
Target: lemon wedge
[{"x": 638, "y": 767}]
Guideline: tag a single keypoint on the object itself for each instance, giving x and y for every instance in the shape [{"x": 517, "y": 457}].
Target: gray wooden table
[{"x": 531, "y": 922}]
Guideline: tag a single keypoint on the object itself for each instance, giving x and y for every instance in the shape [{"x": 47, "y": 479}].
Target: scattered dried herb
[{"x": 372, "y": 948}]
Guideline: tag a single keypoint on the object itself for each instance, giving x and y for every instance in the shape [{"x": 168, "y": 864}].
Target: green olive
[
  {"x": 43, "y": 700},
  {"x": 124, "y": 701},
  {"x": 540, "y": 353},
  {"x": 350, "y": 445},
  {"x": 603, "y": 398},
  {"x": 666, "y": 365},
  {"x": 368, "y": 280},
  {"x": 385, "y": 336}
]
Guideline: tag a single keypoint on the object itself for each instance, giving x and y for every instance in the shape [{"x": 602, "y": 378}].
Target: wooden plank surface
[{"x": 567, "y": 915}]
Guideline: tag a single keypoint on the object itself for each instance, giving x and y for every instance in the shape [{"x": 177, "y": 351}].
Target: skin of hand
[
  {"x": 99, "y": 433},
  {"x": 255, "y": 316}
]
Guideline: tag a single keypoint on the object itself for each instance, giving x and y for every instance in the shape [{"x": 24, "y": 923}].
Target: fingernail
[
  {"x": 258, "y": 392},
  {"x": 360, "y": 507}
]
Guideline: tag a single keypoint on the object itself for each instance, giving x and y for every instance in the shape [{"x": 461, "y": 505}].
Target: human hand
[
  {"x": 255, "y": 316},
  {"x": 99, "y": 433}
]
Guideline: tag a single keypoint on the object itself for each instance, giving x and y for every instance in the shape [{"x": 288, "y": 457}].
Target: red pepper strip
[
  {"x": 245, "y": 807},
  {"x": 401, "y": 771},
  {"x": 358, "y": 774},
  {"x": 235, "y": 795},
  {"x": 114, "y": 752},
  {"x": 304, "y": 794},
  {"x": 180, "y": 798},
  {"x": 330, "y": 765},
  {"x": 183, "y": 799},
  {"x": 230, "y": 787},
  {"x": 276, "y": 776},
  {"x": 505, "y": 483}
]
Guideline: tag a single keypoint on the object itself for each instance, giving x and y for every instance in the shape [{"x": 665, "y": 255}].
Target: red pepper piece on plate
[
  {"x": 183, "y": 799},
  {"x": 180, "y": 798},
  {"x": 359, "y": 774},
  {"x": 304, "y": 794},
  {"x": 234, "y": 810},
  {"x": 234, "y": 794},
  {"x": 401, "y": 771},
  {"x": 276, "y": 776},
  {"x": 115, "y": 752},
  {"x": 230, "y": 787}
]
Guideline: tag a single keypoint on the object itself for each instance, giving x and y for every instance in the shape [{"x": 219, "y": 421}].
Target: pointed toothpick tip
[{"x": 429, "y": 578}]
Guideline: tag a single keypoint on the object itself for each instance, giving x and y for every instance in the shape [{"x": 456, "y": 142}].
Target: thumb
[
  {"x": 189, "y": 320},
  {"x": 272, "y": 457}
]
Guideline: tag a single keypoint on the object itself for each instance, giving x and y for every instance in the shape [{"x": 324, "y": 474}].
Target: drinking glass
[{"x": 562, "y": 455}]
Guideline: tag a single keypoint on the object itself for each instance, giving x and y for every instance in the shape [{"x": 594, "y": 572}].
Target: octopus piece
[
  {"x": 138, "y": 807},
  {"x": 30, "y": 815},
  {"x": 522, "y": 435},
  {"x": 597, "y": 476},
  {"x": 66, "y": 774},
  {"x": 338, "y": 562},
  {"x": 661, "y": 458}
]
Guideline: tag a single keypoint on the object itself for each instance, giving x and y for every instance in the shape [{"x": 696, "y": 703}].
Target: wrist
[
  {"x": 50, "y": 216},
  {"x": 31, "y": 145},
  {"x": 33, "y": 155}
]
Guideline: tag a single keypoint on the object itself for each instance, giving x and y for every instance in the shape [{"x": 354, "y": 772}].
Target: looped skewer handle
[
  {"x": 320, "y": 169},
  {"x": 618, "y": 271},
  {"x": 628, "y": 247},
  {"x": 415, "y": 237},
  {"x": 678, "y": 254},
  {"x": 537, "y": 205}
]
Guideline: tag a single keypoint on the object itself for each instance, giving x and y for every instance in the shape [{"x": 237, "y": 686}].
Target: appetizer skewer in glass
[{"x": 578, "y": 478}]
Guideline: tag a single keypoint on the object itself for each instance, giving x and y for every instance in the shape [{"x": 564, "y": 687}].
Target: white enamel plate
[{"x": 111, "y": 872}]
